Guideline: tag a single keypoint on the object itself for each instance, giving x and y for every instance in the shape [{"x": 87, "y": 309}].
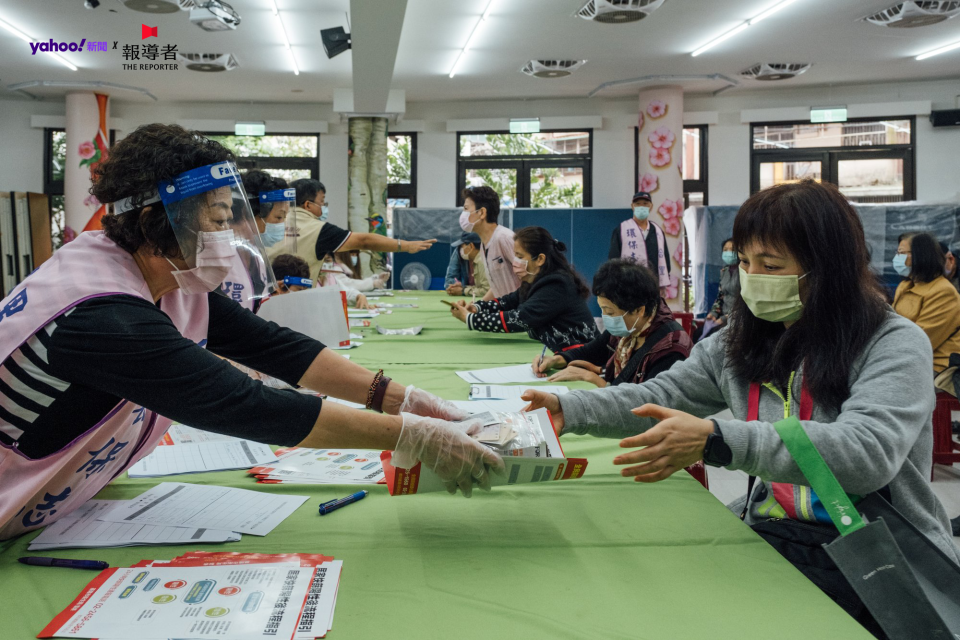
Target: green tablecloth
[{"x": 598, "y": 557}]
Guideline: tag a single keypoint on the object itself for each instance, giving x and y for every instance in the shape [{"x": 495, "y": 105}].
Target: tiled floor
[{"x": 727, "y": 485}]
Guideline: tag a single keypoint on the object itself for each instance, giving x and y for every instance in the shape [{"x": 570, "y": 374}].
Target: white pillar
[
  {"x": 659, "y": 166},
  {"x": 87, "y": 142}
]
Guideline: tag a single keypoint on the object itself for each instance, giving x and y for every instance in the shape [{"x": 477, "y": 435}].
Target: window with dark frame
[
  {"x": 549, "y": 169},
  {"x": 401, "y": 174},
  {"x": 290, "y": 156},
  {"x": 871, "y": 160}
]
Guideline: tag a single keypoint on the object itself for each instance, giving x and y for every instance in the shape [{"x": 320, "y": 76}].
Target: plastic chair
[
  {"x": 699, "y": 471},
  {"x": 685, "y": 320},
  {"x": 945, "y": 448}
]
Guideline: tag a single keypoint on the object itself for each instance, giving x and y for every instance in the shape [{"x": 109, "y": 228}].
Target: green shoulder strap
[{"x": 818, "y": 474}]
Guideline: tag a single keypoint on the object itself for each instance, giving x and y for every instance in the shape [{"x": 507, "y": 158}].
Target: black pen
[{"x": 40, "y": 561}]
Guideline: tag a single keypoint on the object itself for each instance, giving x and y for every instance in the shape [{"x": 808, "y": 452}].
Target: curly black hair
[
  {"x": 152, "y": 153},
  {"x": 256, "y": 182},
  {"x": 628, "y": 284},
  {"x": 287, "y": 264}
]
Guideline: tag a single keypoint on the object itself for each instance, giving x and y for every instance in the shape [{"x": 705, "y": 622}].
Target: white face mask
[
  {"x": 215, "y": 256},
  {"x": 463, "y": 254},
  {"x": 354, "y": 260},
  {"x": 465, "y": 223}
]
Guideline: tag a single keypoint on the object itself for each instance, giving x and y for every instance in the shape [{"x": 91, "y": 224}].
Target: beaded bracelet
[{"x": 373, "y": 388}]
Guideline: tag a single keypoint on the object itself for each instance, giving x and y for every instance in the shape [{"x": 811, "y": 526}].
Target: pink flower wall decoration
[
  {"x": 672, "y": 289},
  {"x": 659, "y": 157},
  {"x": 678, "y": 254},
  {"x": 662, "y": 138},
  {"x": 672, "y": 226},
  {"x": 670, "y": 209},
  {"x": 656, "y": 109},
  {"x": 649, "y": 183},
  {"x": 87, "y": 150}
]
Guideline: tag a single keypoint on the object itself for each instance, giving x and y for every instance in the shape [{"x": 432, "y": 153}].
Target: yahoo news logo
[{"x": 55, "y": 46}]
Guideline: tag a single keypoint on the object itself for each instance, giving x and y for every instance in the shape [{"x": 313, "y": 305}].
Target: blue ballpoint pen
[
  {"x": 542, "y": 353},
  {"x": 333, "y": 505},
  {"x": 39, "y": 561}
]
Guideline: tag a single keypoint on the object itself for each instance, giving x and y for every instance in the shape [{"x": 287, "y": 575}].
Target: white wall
[{"x": 938, "y": 150}]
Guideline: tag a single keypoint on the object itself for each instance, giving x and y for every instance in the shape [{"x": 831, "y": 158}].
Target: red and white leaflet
[{"x": 250, "y": 602}]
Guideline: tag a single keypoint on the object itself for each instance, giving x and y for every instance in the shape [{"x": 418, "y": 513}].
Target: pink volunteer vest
[
  {"x": 34, "y": 493},
  {"x": 632, "y": 245}
]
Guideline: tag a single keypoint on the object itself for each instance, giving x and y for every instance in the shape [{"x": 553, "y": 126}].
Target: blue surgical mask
[
  {"x": 730, "y": 258},
  {"x": 900, "y": 264},
  {"x": 617, "y": 326},
  {"x": 272, "y": 234},
  {"x": 324, "y": 212},
  {"x": 641, "y": 213}
]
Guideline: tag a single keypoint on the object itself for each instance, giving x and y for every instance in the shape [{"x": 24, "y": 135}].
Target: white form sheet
[
  {"x": 202, "y": 456},
  {"x": 502, "y": 375},
  {"x": 81, "y": 529},
  {"x": 182, "y": 434},
  {"x": 512, "y": 392},
  {"x": 210, "y": 506}
]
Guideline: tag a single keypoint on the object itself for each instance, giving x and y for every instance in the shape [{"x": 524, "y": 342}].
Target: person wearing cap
[
  {"x": 466, "y": 275},
  {"x": 311, "y": 237},
  {"x": 124, "y": 330},
  {"x": 633, "y": 239}
]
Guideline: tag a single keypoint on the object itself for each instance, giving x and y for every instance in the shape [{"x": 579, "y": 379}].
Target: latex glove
[
  {"x": 424, "y": 403},
  {"x": 448, "y": 450}
]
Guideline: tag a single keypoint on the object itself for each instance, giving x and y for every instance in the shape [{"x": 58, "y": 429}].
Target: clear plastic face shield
[
  {"x": 218, "y": 236},
  {"x": 274, "y": 208}
]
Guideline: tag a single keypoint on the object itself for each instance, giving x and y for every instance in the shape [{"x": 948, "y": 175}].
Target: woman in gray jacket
[{"x": 811, "y": 336}]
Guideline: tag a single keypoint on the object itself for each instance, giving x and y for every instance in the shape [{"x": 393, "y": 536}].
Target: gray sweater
[{"x": 882, "y": 436}]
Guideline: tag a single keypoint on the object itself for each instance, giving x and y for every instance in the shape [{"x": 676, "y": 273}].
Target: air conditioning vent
[
  {"x": 618, "y": 11},
  {"x": 209, "y": 62},
  {"x": 775, "y": 70},
  {"x": 157, "y": 6},
  {"x": 916, "y": 13},
  {"x": 551, "y": 68}
]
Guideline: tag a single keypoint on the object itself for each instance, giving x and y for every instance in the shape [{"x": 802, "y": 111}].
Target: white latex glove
[
  {"x": 448, "y": 450},
  {"x": 424, "y": 403}
]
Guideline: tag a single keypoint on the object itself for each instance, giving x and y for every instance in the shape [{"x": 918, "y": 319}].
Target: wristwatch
[{"x": 717, "y": 453}]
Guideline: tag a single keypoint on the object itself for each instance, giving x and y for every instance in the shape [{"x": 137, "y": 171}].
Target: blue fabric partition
[{"x": 586, "y": 232}]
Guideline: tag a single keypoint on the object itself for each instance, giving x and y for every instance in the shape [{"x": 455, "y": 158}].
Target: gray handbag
[{"x": 909, "y": 585}]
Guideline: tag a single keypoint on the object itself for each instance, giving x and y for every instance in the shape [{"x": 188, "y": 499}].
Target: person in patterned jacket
[{"x": 550, "y": 304}]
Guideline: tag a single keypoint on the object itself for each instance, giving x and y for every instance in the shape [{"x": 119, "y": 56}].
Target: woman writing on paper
[
  {"x": 119, "y": 332},
  {"x": 813, "y": 337},
  {"x": 550, "y": 304},
  {"x": 641, "y": 339}
]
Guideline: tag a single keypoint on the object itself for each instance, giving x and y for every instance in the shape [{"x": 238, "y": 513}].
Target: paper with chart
[
  {"x": 502, "y": 375},
  {"x": 324, "y": 466},
  {"x": 511, "y": 392},
  {"x": 182, "y": 434},
  {"x": 202, "y": 456},
  {"x": 82, "y": 530},
  {"x": 192, "y": 505},
  {"x": 242, "y": 602}
]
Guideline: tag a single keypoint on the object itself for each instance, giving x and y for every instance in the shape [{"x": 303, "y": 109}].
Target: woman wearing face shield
[
  {"x": 811, "y": 337},
  {"x": 119, "y": 332}
]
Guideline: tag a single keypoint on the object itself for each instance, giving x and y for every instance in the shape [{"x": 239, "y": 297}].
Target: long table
[{"x": 597, "y": 557}]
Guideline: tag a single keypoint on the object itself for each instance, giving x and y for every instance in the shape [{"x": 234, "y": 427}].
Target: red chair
[
  {"x": 685, "y": 320},
  {"x": 699, "y": 471},
  {"x": 945, "y": 448}
]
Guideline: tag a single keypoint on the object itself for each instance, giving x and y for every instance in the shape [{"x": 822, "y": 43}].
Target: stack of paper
[
  {"x": 206, "y": 506},
  {"x": 303, "y": 465},
  {"x": 83, "y": 529},
  {"x": 411, "y": 331},
  {"x": 502, "y": 375},
  {"x": 362, "y": 313},
  {"x": 243, "y": 596},
  {"x": 189, "y": 450},
  {"x": 390, "y": 305},
  {"x": 480, "y": 406}
]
